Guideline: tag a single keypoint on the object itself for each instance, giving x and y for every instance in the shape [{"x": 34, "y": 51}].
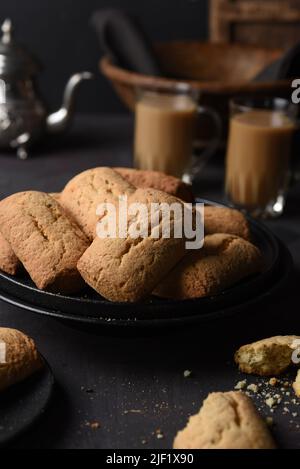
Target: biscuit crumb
[
  {"x": 273, "y": 381},
  {"x": 93, "y": 425},
  {"x": 159, "y": 434},
  {"x": 252, "y": 387},
  {"x": 187, "y": 373},
  {"x": 271, "y": 402},
  {"x": 241, "y": 384}
]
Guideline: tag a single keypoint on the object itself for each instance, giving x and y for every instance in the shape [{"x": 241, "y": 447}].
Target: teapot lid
[{"x": 15, "y": 60}]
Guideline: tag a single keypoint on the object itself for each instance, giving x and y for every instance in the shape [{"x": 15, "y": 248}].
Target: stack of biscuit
[{"x": 54, "y": 238}]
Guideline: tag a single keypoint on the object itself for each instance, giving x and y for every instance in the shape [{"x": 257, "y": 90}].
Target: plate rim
[
  {"x": 156, "y": 322},
  {"x": 29, "y": 425}
]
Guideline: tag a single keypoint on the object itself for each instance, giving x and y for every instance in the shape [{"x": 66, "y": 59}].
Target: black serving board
[
  {"x": 88, "y": 307},
  {"x": 24, "y": 403}
]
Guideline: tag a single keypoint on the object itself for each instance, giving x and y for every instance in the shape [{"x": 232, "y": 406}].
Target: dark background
[{"x": 58, "y": 32}]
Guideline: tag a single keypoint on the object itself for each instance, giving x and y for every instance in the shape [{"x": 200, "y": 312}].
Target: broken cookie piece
[
  {"x": 296, "y": 384},
  {"x": 267, "y": 357},
  {"x": 226, "y": 421}
]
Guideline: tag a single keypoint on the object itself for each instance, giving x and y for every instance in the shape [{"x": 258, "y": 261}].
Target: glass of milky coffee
[
  {"x": 259, "y": 153},
  {"x": 165, "y": 131}
]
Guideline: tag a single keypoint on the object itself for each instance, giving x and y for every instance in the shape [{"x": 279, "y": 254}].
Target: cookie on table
[
  {"x": 226, "y": 220},
  {"x": 296, "y": 384},
  {"x": 223, "y": 261},
  {"x": 146, "y": 179},
  {"x": 9, "y": 263},
  {"x": 128, "y": 269},
  {"x": 226, "y": 420},
  {"x": 19, "y": 357},
  {"x": 82, "y": 195},
  {"x": 267, "y": 357},
  {"x": 44, "y": 239}
]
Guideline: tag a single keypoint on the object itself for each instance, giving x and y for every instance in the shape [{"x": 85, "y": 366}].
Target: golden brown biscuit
[
  {"x": 226, "y": 220},
  {"x": 47, "y": 243},
  {"x": 267, "y": 357},
  {"x": 223, "y": 261},
  {"x": 9, "y": 262},
  {"x": 82, "y": 195},
  {"x": 296, "y": 384},
  {"x": 19, "y": 357},
  {"x": 226, "y": 420},
  {"x": 145, "y": 179},
  {"x": 128, "y": 269}
]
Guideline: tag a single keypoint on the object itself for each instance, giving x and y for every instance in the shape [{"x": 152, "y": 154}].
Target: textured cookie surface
[
  {"x": 9, "y": 262},
  {"x": 82, "y": 195},
  {"x": 128, "y": 269},
  {"x": 55, "y": 195},
  {"x": 19, "y": 357},
  {"x": 226, "y": 220},
  {"x": 156, "y": 180},
  {"x": 267, "y": 357},
  {"x": 296, "y": 384},
  {"x": 47, "y": 243},
  {"x": 225, "y": 421},
  {"x": 223, "y": 261}
]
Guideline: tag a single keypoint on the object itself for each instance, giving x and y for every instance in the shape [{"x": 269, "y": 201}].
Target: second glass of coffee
[{"x": 258, "y": 154}]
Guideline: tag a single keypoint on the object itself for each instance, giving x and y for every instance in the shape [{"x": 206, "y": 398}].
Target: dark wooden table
[{"x": 133, "y": 385}]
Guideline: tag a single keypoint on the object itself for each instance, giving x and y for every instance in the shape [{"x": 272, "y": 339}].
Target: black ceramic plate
[
  {"x": 23, "y": 404},
  {"x": 91, "y": 308}
]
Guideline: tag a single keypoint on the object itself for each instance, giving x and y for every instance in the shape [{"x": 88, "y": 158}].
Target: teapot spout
[{"x": 59, "y": 120}]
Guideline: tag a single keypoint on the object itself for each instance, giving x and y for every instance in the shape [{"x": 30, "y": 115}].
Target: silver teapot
[{"x": 23, "y": 115}]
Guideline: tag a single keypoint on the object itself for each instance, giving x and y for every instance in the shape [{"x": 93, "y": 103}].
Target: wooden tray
[{"x": 218, "y": 71}]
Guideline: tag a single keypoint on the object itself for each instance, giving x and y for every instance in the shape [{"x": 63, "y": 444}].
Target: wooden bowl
[{"x": 218, "y": 71}]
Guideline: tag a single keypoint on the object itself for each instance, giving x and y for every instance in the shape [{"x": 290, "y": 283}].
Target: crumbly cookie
[
  {"x": 267, "y": 357},
  {"x": 226, "y": 420},
  {"x": 82, "y": 195},
  {"x": 223, "y": 261},
  {"x": 296, "y": 384},
  {"x": 9, "y": 262},
  {"x": 47, "y": 243},
  {"x": 19, "y": 357},
  {"x": 145, "y": 179},
  {"x": 226, "y": 220},
  {"x": 128, "y": 269}
]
